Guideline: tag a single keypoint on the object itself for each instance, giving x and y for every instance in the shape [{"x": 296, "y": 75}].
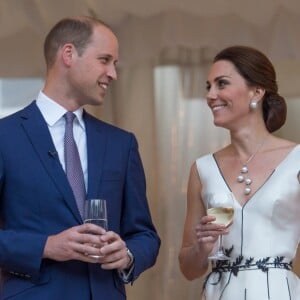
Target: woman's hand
[{"x": 207, "y": 233}]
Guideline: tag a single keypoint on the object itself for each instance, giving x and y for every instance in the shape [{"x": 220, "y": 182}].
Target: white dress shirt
[{"x": 53, "y": 114}]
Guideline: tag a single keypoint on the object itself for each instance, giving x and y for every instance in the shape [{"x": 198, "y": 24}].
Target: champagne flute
[
  {"x": 95, "y": 212},
  {"x": 220, "y": 205}
]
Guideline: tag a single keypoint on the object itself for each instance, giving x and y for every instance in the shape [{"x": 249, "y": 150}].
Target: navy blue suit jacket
[{"x": 36, "y": 201}]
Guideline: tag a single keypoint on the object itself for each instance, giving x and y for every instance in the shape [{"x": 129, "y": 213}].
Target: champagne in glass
[
  {"x": 95, "y": 212},
  {"x": 220, "y": 205},
  {"x": 99, "y": 222}
]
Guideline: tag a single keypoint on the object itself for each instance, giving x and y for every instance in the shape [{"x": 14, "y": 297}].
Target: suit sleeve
[
  {"x": 138, "y": 232},
  {"x": 20, "y": 251}
]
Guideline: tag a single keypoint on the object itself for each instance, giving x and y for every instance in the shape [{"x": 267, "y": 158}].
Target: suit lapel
[
  {"x": 40, "y": 138},
  {"x": 96, "y": 147}
]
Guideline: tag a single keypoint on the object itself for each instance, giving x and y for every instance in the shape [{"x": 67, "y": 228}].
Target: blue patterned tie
[{"x": 73, "y": 165}]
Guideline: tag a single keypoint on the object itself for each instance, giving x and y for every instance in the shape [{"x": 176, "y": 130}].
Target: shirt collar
[{"x": 53, "y": 112}]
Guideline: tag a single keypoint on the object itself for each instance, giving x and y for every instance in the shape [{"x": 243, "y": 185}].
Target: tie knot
[{"x": 69, "y": 116}]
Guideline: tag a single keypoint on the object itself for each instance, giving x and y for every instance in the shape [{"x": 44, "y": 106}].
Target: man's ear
[{"x": 68, "y": 53}]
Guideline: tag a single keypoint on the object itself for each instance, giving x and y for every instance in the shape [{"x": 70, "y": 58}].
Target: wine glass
[
  {"x": 220, "y": 205},
  {"x": 95, "y": 212}
]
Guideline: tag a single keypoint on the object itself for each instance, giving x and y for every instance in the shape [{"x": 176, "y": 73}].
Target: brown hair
[
  {"x": 258, "y": 70},
  {"x": 77, "y": 31}
]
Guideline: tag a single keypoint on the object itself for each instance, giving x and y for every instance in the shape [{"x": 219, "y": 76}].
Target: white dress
[{"x": 263, "y": 238}]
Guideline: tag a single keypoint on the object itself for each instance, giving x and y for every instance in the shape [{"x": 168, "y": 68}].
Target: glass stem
[{"x": 221, "y": 243}]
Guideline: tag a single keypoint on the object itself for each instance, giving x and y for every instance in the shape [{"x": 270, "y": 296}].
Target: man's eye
[{"x": 104, "y": 60}]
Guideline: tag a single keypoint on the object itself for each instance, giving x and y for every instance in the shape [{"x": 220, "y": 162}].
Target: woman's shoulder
[
  {"x": 280, "y": 150},
  {"x": 205, "y": 161},
  {"x": 223, "y": 152},
  {"x": 278, "y": 144},
  {"x": 204, "y": 157}
]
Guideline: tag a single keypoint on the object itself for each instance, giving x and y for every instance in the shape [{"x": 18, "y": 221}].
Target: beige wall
[
  {"x": 291, "y": 129},
  {"x": 297, "y": 263}
]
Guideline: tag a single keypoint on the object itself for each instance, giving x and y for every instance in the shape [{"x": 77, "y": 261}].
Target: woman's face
[{"x": 228, "y": 95}]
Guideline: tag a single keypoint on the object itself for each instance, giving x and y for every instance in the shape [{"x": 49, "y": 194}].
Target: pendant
[
  {"x": 240, "y": 178},
  {"x": 247, "y": 191},
  {"x": 244, "y": 169},
  {"x": 248, "y": 181}
]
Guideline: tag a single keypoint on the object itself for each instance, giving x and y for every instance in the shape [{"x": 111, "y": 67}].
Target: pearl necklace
[{"x": 244, "y": 176}]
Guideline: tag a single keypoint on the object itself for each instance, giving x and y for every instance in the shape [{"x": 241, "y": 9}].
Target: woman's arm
[{"x": 199, "y": 234}]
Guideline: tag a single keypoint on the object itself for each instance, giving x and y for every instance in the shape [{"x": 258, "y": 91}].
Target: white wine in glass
[
  {"x": 223, "y": 215},
  {"x": 220, "y": 205}
]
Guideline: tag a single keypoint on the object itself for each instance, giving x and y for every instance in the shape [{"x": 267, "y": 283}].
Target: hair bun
[{"x": 274, "y": 111}]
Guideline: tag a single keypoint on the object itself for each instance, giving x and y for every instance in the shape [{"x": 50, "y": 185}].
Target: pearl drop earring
[{"x": 253, "y": 104}]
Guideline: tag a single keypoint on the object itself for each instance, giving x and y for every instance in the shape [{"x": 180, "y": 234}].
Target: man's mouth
[{"x": 103, "y": 85}]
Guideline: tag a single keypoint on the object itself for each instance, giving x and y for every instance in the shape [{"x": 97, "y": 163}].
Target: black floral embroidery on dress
[
  {"x": 262, "y": 264},
  {"x": 241, "y": 264}
]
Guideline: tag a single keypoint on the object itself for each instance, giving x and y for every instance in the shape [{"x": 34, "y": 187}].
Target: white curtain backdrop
[
  {"x": 184, "y": 132},
  {"x": 276, "y": 34}
]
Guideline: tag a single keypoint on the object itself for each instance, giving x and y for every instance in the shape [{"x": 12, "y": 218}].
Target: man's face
[{"x": 91, "y": 73}]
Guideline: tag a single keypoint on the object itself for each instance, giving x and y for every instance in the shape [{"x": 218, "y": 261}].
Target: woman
[{"x": 261, "y": 172}]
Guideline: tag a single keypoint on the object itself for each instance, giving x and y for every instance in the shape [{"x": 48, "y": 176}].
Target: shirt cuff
[{"x": 126, "y": 275}]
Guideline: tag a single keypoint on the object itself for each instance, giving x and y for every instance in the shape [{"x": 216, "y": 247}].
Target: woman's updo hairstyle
[{"x": 257, "y": 70}]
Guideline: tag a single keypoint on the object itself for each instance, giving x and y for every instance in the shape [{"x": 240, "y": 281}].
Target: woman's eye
[{"x": 222, "y": 83}]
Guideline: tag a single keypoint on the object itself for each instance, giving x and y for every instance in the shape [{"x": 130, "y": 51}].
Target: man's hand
[
  {"x": 114, "y": 252},
  {"x": 77, "y": 243}
]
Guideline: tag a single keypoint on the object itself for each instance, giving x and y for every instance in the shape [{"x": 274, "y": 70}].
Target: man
[{"x": 46, "y": 252}]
